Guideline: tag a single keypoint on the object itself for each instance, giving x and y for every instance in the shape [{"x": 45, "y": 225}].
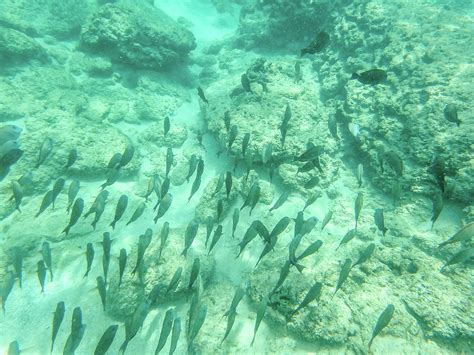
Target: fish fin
[{"x": 354, "y": 76}]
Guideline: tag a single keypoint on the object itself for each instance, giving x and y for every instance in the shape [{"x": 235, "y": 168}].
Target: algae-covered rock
[
  {"x": 140, "y": 35},
  {"x": 16, "y": 47}
]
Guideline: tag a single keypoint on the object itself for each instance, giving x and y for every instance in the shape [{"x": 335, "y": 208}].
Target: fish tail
[
  {"x": 113, "y": 225},
  {"x": 66, "y": 230},
  {"x": 355, "y": 76}
]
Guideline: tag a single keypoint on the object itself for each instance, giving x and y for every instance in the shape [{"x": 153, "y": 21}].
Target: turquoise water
[{"x": 284, "y": 177}]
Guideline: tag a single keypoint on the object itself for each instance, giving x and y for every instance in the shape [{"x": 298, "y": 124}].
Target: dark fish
[
  {"x": 285, "y": 123},
  {"x": 46, "y": 202},
  {"x": 267, "y": 153},
  {"x": 101, "y": 198},
  {"x": 41, "y": 272},
  {"x": 382, "y": 322},
  {"x": 127, "y": 156},
  {"x": 17, "y": 194},
  {"x": 459, "y": 257},
  {"x": 283, "y": 274},
  {"x": 165, "y": 187},
  {"x": 101, "y": 286},
  {"x": 76, "y": 212},
  {"x": 310, "y": 250},
  {"x": 327, "y": 218},
  {"x": 245, "y": 143},
  {"x": 194, "y": 272},
  {"x": 238, "y": 295},
  {"x": 215, "y": 238},
  {"x": 164, "y": 206},
  {"x": 138, "y": 213},
  {"x": 358, "y": 206},
  {"x": 311, "y": 153},
  {"x": 17, "y": 260},
  {"x": 249, "y": 235},
  {"x": 228, "y": 183},
  {"x": 437, "y": 208},
  {"x": 308, "y": 166},
  {"x": 134, "y": 323},
  {"x": 166, "y": 329},
  {"x": 153, "y": 185},
  {"x": 14, "y": 348},
  {"x": 192, "y": 166},
  {"x": 7, "y": 286},
  {"x": 120, "y": 209},
  {"x": 45, "y": 151},
  {"x": 106, "y": 340},
  {"x": 261, "y": 309},
  {"x": 364, "y": 255},
  {"x": 451, "y": 114},
  {"x": 232, "y": 135},
  {"x": 195, "y": 187},
  {"x": 169, "y": 160},
  {"x": 57, "y": 321},
  {"x": 106, "y": 245},
  {"x": 438, "y": 169},
  {"x": 200, "y": 167},
  {"x": 197, "y": 324},
  {"x": 244, "y": 80},
  {"x": 89, "y": 257},
  {"x": 164, "y": 233},
  {"x": 190, "y": 234},
  {"x": 360, "y": 172},
  {"x": 235, "y": 220},
  {"x": 281, "y": 200},
  {"x": 227, "y": 121},
  {"x": 209, "y": 228},
  {"x": 280, "y": 227},
  {"x": 347, "y": 237},
  {"x": 313, "y": 294},
  {"x": 311, "y": 199},
  {"x": 173, "y": 285},
  {"x": 299, "y": 220},
  {"x": 122, "y": 264},
  {"x": 9, "y": 132},
  {"x": 46, "y": 253},
  {"x": 346, "y": 268},
  {"x": 114, "y": 161},
  {"x": 175, "y": 333},
  {"x": 308, "y": 225},
  {"x": 72, "y": 191},
  {"x": 394, "y": 161},
  {"x": 230, "y": 324},
  {"x": 298, "y": 73},
  {"x": 379, "y": 220},
  {"x": 99, "y": 210},
  {"x": 57, "y": 188},
  {"x": 112, "y": 178},
  {"x": 143, "y": 242},
  {"x": 372, "y": 76},
  {"x": 71, "y": 158},
  {"x": 251, "y": 195},
  {"x": 201, "y": 95},
  {"x": 313, "y": 182},
  {"x": 317, "y": 44},
  {"x": 166, "y": 125},
  {"x": 262, "y": 230},
  {"x": 255, "y": 197},
  {"x": 464, "y": 234},
  {"x": 73, "y": 341},
  {"x": 332, "y": 126}
]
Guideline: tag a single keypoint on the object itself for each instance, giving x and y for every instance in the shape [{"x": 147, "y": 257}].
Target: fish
[
  {"x": 76, "y": 212},
  {"x": 122, "y": 263},
  {"x": 194, "y": 272},
  {"x": 245, "y": 81},
  {"x": 209, "y": 228},
  {"x": 261, "y": 230},
  {"x": 46, "y": 254},
  {"x": 254, "y": 190},
  {"x": 197, "y": 324},
  {"x": 371, "y": 77},
  {"x": 238, "y": 295},
  {"x": 14, "y": 348},
  {"x": 317, "y": 45},
  {"x": 143, "y": 242},
  {"x": 7, "y": 286},
  {"x": 459, "y": 257},
  {"x": 170, "y": 315},
  {"x": 382, "y": 322},
  {"x": 71, "y": 158},
  {"x": 106, "y": 245},
  {"x": 451, "y": 114},
  {"x": 73, "y": 341},
  {"x": 280, "y": 227},
  {"x": 153, "y": 186},
  {"x": 100, "y": 198},
  {"x": 298, "y": 73},
  {"x": 261, "y": 310},
  {"x": 364, "y": 255},
  {"x": 173, "y": 285},
  {"x": 228, "y": 183},
  {"x": 255, "y": 197},
  {"x": 327, "y": 218},
  {"x": 347, "y": 237},
  {"x": 164, "y": 206},
  {"x": 164, "y": 233},
  {"x": 106, "y": 340},
  {"x": 281, "y": 200},
  {"x": 379, "y": 220},
  {"x": 119, "y": 209},
  {"x": 345, "y": 270},
  {"x": 299, "y": 220},
  {"x": 249, "y": 235},
  {"x": 101, "y": 286},
  {"x": 437, "y": 208},
  {"x": 313, "y": 294},
  {"x": 358, "y": 206},
  {"x": 10, "y": 158},
  {"x": 360, "y": 172},
  {"x": 235, "y": 220},
  {"x": 166, "y": 125},
  {"x": 195, "y": 187},
  {"x": 138, "y": 213},
  {"x": 310, "y": 250},
  {"x": 127, "y": 156},
  {"x": 230, "y": 324},
  {"x": 463, "y": 235},
  {"x": 89, "y": 257},
  {"x": 267, "y": 153},
  {"x": 72, "y": 191},
  {"x": 194, "y": 307},
  {"x": 190, "y": 234},
  {"x": 215, "y": 238},
  {"x": 332, "y": 126},
  {"x": 41, "y": 272},
  {"x": 245, "y": 143},
  {"x": 44, "y": 152},
  {"x": 269, "y": 246},
  {"x": 200, "y": 167},
  {"x": 165, "y": 186},
  {"x": 17, "y": 260},
  {"x": 9, "y": 132},
  {"x": 57, "y": 188},
  {"x": 193, "y": 160},
  {"x": 169, "y": 161},
  {"x": 45, "y": 203},
  {"x": 17, "y": 194},
  {"x": 311, "y": 153},
  {"x": 201, "y": 95},
  {"x": 394, "y": 161},
  {"x": 114, "y": 161},
  {"x": 226, "y": 120},
  {"x": 232, "y": 136},
  {"x": 313, "y": 182},
  {"x": 311, "y": 199},
  {"x": 438, "y": 169},
  {"x": 175, "y": 333},
  {"x": 219, "y": 184},
  {"x": 134, "y": 323},
  {"x": 57, "y": 321},
  {"x": 283, "y": 131},
  {"x": 112, "y": 178},
  {"x": 283, "y": 275},
  {"x": 99, "y": 210}
]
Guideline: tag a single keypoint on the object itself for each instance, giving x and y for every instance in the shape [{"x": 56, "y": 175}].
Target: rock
[
  {"x": 139, "y": 35},
  {"x": 16, "y": 47}
]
